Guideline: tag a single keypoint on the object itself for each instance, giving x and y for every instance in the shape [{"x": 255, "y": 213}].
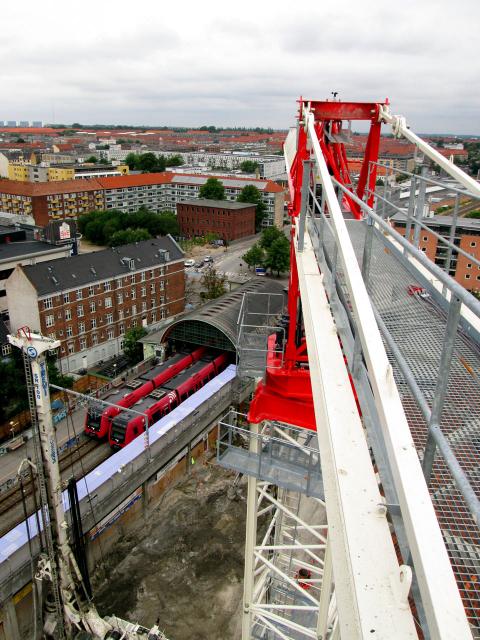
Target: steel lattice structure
[{"x": 375, "y": 493}]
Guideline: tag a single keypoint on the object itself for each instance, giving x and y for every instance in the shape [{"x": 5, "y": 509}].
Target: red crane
[{"x": 285, "y": 394}]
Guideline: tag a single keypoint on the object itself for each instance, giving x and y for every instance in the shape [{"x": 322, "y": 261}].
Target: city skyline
[{"x": 194, "y": 65}]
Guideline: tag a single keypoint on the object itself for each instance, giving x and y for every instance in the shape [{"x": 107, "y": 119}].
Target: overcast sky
[{"x": 242, "y": 63}]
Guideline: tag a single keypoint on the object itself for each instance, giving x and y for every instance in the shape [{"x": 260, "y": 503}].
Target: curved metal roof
[{"x": 215, "y": 323}]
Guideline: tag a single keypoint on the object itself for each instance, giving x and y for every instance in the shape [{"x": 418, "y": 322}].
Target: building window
[
  {"x": 152, "y": 287},
  {"x": 162, "y": 271},
  {"x": 163, "y": 314},
  {"x": 108, "y": 303},
  {"x": 71, "y": 348},
  {"x": 152, "y": 273},
  {"x": 6, "y": 349},
  {"x": 162, "y": 285},
  {"x": 144, "y": 291},
  {"x": 132, "y": 278},
  {"x": 91, "y": 290},
  {"x": 121, "y": 314},
  {"x": 144, "y": 306},
  {"x": 80, "y": 294},
  {"x": 49, "y": 321},
  {"x": 134, "y": 309},
  {"x": 80, "y": 311},
  {"x": 93, "y": 323},
  {"x": 120, "y": 298},
  {"x": 133, "y": 294},
  {"x": 467, "y": 276},
  {"x": 66, "y": 298},
  {"x": 92, "y": 307},
  {"x": 134, "y": 323},
  {"x": 107, "y": 286},
  {"x": 469, "y": 265},
  {"x": 48, "y": 303},
  {"x": 425, "y": 238},
  {"x": 109, "y": 318},
  {"x": 142, "y": 276},
  {"x": 83, "y": 343},
  {"x": 69, "y": 332},
  {"x": 121, "y": 329},
  {"x": 81, "y": 327},
  {"x": 110, "y": 334},
  {"x": 94, "y": 338},
  {"x": 68, "y": 314}
]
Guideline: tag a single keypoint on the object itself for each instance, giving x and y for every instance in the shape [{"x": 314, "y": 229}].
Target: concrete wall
[{"x": 22, "y": 301}]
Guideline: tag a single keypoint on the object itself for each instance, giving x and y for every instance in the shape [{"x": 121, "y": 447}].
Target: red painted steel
[{"x": 285, "y": 394}]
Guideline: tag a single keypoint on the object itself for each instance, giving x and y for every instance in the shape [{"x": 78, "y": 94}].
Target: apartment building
[
  {"x": 228, "y": 220},
  {"x": 89, "y": 301},
  {"x": 270, "y": 167},
  {"x": 157, "y": 191},
  {"x": 467, "y": 237},
  {"x": 41, "y": 202},
  {"x": 160, "y": 191}
]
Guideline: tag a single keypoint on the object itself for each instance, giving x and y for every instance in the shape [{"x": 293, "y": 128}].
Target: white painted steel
[
  {"x": 365, "y": 566},
  {"x": 441, "y": 600},
  {"x": 400, "y": 128}
]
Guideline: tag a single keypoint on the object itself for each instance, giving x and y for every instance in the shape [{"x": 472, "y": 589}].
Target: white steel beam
[
  {"x": 365, "y": 566},
  {"x": 400, "y": 128},
  {"x": 440, "y": 597}
]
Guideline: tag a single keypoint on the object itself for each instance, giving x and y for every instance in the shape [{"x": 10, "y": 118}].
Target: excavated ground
[{"x": 184, "y": 562}]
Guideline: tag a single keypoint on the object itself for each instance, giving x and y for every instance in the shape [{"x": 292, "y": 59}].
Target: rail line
[{"x": 11, "y": 500}]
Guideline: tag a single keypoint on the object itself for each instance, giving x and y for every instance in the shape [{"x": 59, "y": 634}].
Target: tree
[
  {"x": 278, "y": 256},
  {"x": 249, "y": 166},
  {"x": 269, "y": 235},
  {"x": 254, "y": 256},
  {"x": 91, "y": 160},
  {"x": 132, "y": 161},
  {"x": 127, "y": 236},
  {"x": 251, "y": 194},
  {"x": 131, "y": 347},
  {"x": 213, "y": 282},
  {"x": 147, "y": 162},
  {"x": 174, "y": 161},
  {"x": 213, "y": 189}
]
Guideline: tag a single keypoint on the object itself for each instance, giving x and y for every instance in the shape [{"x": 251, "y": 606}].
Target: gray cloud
[{"x": 199, "y": 63}]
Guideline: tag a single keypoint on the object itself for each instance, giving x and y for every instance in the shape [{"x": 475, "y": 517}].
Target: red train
[
  {"x": 126, "y": 426},
  {"x": 98, "y": 419}
]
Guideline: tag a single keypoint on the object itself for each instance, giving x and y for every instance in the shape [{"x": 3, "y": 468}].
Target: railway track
[{"x": 76, "y": 461}]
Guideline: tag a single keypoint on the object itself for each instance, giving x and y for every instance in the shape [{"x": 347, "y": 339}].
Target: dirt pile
[{"x": 184, "y": 564}]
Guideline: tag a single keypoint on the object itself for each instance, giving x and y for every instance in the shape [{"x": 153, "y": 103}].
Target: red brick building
[
  {"x": 91, "y": 300},
  {"x": 467, "y": 237},
  {"x": 228, "y": 220}
]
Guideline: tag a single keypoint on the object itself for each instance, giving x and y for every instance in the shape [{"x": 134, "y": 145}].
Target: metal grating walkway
[{"x": 418, "y": 328}]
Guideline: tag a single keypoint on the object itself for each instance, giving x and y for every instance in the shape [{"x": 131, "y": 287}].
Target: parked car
[
  {"x": 208, "y": 259},
  {"x": 199, "y": 264},
  {"x": 189, "y": 263}
]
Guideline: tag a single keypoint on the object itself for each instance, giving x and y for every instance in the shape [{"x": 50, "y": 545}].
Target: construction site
[{"x": 301, "y": 462}]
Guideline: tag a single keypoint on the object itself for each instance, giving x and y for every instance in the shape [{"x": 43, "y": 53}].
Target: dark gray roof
[
  {"x": 221, "y": 314},
  {"x": 468, "y": 224},
  {"x": 220, "y": 204},
  {"x": 12, "y": 250},
  {"x": 77, "y": 271}
]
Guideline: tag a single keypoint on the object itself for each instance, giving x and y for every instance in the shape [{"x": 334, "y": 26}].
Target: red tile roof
[{"x": 48, "y": 188}]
